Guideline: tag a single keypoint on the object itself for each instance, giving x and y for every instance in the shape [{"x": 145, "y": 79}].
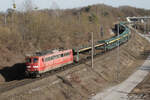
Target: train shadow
[{"x": 15, "y": 72}]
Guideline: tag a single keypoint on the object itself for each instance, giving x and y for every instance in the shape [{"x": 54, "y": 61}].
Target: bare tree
[
  {"x": 28, "y": 5},
  {"x": 55, "y": 8}
]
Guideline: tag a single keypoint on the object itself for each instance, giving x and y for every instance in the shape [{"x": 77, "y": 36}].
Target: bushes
[
  {"x": 87, "y": 9},
  {"x": 105, "y": 13},
  {"x": 93, "y": 18}
]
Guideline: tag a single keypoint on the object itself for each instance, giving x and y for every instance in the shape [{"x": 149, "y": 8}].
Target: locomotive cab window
[
  {"x": 62, "y": 55},
  {"x": 28, "y": 60},
  {"x": 35, "y": 60},
  {"x": 67, "y": 54}
]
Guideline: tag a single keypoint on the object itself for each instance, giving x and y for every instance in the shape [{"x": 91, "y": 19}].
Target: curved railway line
[{"x": 103, "y": 46}]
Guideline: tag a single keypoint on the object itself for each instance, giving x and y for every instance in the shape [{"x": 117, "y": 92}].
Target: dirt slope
[{"x": 81, "y": 82}]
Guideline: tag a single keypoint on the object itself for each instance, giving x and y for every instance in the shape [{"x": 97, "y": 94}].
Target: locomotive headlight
[
  {"x": 35, "y": 66},
  {"x": 28, "y": 66}
]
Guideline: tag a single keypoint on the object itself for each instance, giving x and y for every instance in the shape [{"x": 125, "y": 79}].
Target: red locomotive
[{"x": 45, "y": 61}]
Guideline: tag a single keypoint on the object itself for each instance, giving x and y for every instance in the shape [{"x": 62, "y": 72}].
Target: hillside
[
  {"x": 35, "y": 30},
  {"x": 82, "y": 82}
]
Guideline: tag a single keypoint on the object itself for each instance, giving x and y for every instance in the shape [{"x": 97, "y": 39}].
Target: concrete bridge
[{"x": 138, "y": 19}]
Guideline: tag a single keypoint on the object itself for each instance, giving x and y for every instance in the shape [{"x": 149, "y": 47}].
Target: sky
[{"x": 63, "y": 4}]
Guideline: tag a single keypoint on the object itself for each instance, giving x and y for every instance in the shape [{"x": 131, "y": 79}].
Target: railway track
[
  {"x": 14, "y": 84},
  {"x": 18, "y": 83}
]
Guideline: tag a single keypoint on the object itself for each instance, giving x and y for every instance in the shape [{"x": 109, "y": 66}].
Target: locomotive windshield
[
  {"x": 35, "y": 60},
  {"x": 28, "y": 60},
  {"x": 32, "y": 60}
]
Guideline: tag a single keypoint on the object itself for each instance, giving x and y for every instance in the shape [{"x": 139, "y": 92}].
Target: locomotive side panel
[{"x": 57, "y": 60}]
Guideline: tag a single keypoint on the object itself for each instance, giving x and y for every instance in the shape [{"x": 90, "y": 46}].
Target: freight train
[{"x": 49, "y": 60}]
